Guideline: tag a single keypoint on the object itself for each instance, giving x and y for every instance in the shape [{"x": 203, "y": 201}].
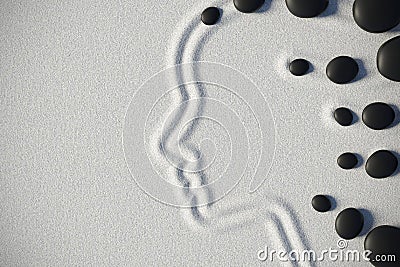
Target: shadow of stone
[
  {"x": 362, "y": 71},
  {"x": 331, "y": 9},
  {"x": 368, "y": 222},
  {"x": 265, "y": 7}
]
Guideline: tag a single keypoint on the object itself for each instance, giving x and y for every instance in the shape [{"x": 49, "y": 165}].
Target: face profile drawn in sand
[
  {"x": 180, "y": 123},
  {"x": 175, "y": 170}
]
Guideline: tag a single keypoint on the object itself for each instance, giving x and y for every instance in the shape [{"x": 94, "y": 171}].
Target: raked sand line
[{"x": 186, "y": 46}]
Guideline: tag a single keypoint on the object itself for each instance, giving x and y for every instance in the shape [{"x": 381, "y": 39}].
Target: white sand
[{"x": 68, "y": 72}]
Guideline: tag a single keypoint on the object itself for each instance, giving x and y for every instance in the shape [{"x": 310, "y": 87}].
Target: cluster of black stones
[{"x": 374, "y": 16}]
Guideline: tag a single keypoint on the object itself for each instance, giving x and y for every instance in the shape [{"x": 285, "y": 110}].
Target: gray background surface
[{"x": 68, "y": 71}]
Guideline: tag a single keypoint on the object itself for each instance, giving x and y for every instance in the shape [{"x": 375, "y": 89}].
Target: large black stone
[
  {"x": 376, "y": 15},
  {"x": 388, "y": 59}
]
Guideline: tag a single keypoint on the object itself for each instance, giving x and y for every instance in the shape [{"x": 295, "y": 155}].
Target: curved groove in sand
[
  {"x": 186, "y": 47},
  {"x": 187, "y": 44}
]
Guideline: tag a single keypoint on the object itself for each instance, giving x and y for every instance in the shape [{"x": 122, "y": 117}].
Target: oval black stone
[
  {"x": 384, "y": 240},
  {"x": 248, "y": 6},
  {"x": 349, "y": 223},
  {"x": 321, "y": 203},
  {"x": 376, "y": 16},
  {"x": 210, "y": 16},
  {"x": 378, "y": 116},
  {"x": 299, "y": 67},
  {"x": 343, "y": 116},
  {"x": 306, "y": 8},
  {"x": 347, "y": 161},
  {"x": 381, "y": 164},
  {"x": 388, "y": 59},
  {"x": 342, "y": 70}
]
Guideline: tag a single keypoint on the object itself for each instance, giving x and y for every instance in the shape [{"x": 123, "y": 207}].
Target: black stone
[
  {"x": 299, "y": 67},
  {"x": 376, "y": 16},
  {"x": 388, "y": 59},
  {"x": 306, "y": 8},
  {"x": 321, "y": 203},
  {"x": 248, "y": 6},
  {"x": 210, "y": 16},
  {"x": 381, "y": 164},
  {"x": 349, "y": 223},
  {"x": 347, "y": 161},
  {"x": 378, "y": 116},
  {"x": 384, "y": 240},
  {"x": 342, "y": 70},
  {"x": 343, "y": 116}
]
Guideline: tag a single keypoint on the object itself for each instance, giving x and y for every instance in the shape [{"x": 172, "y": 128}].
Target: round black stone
[
  {"x": 321, "y": 203},
  {"x": 388, "y": 59},
  {"x": 210, "y": 16},
  {"x": 299, "y": 67},
  {"x": 342, "y": 70},
  {"x": 306, "y": 8},
  {"x": 384, "y": 240},
  {"x": 378, "y": 116},
  {"x": 376, "y": 16},
  {"x": 349, "y": 223},
  {"x": 347, "y": 161},
  {"x": 381, "y": 164},
  {"x": 343, "y": 116},
  {"x": 248, "y": 6}
]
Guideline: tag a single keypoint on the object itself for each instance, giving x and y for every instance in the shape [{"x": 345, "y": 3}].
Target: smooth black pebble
[
  {"x": 347, "y": 161},
  {"x": 349, "y": 223},
  {"x": 388, "y": 59},
  {"x": 343, "y": 116},
  {"x": 381, "y": 164},
  {"x": 376, "y": 16},
  {"x": 248, "y": 6},
  {"x": 384, "y": 240},
  {"x": 321, "y": 203},
  {"x": 378, "y": 116},
  {"x": 342, "y": 70},
  {"x": 210, "y": 16},
  {"x": 299, "y": 67},
  {"x": 306, "y": 8}
]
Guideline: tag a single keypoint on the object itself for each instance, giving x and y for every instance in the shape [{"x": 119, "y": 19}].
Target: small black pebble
[
  {"x": 388, "y": 59},
  {"x": 343, "y": 116},
  {"x": 299, "y": 67},
  {"x": 347, "y": 161},
  {"x": 342, "y": 70},
  {"x": 349, "y": 223},
  {"x": 381, "y": 164},
  {"x": 248, "y": 6},
  {"x": 306, "y": 8},
  {"x": 376, "y": 16},
  {"x": 210, "y": 16},
  {"x": 384, "y": 240},
  {"x": 378, "y": 116},
  {"x": 321, "y": 203}
]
